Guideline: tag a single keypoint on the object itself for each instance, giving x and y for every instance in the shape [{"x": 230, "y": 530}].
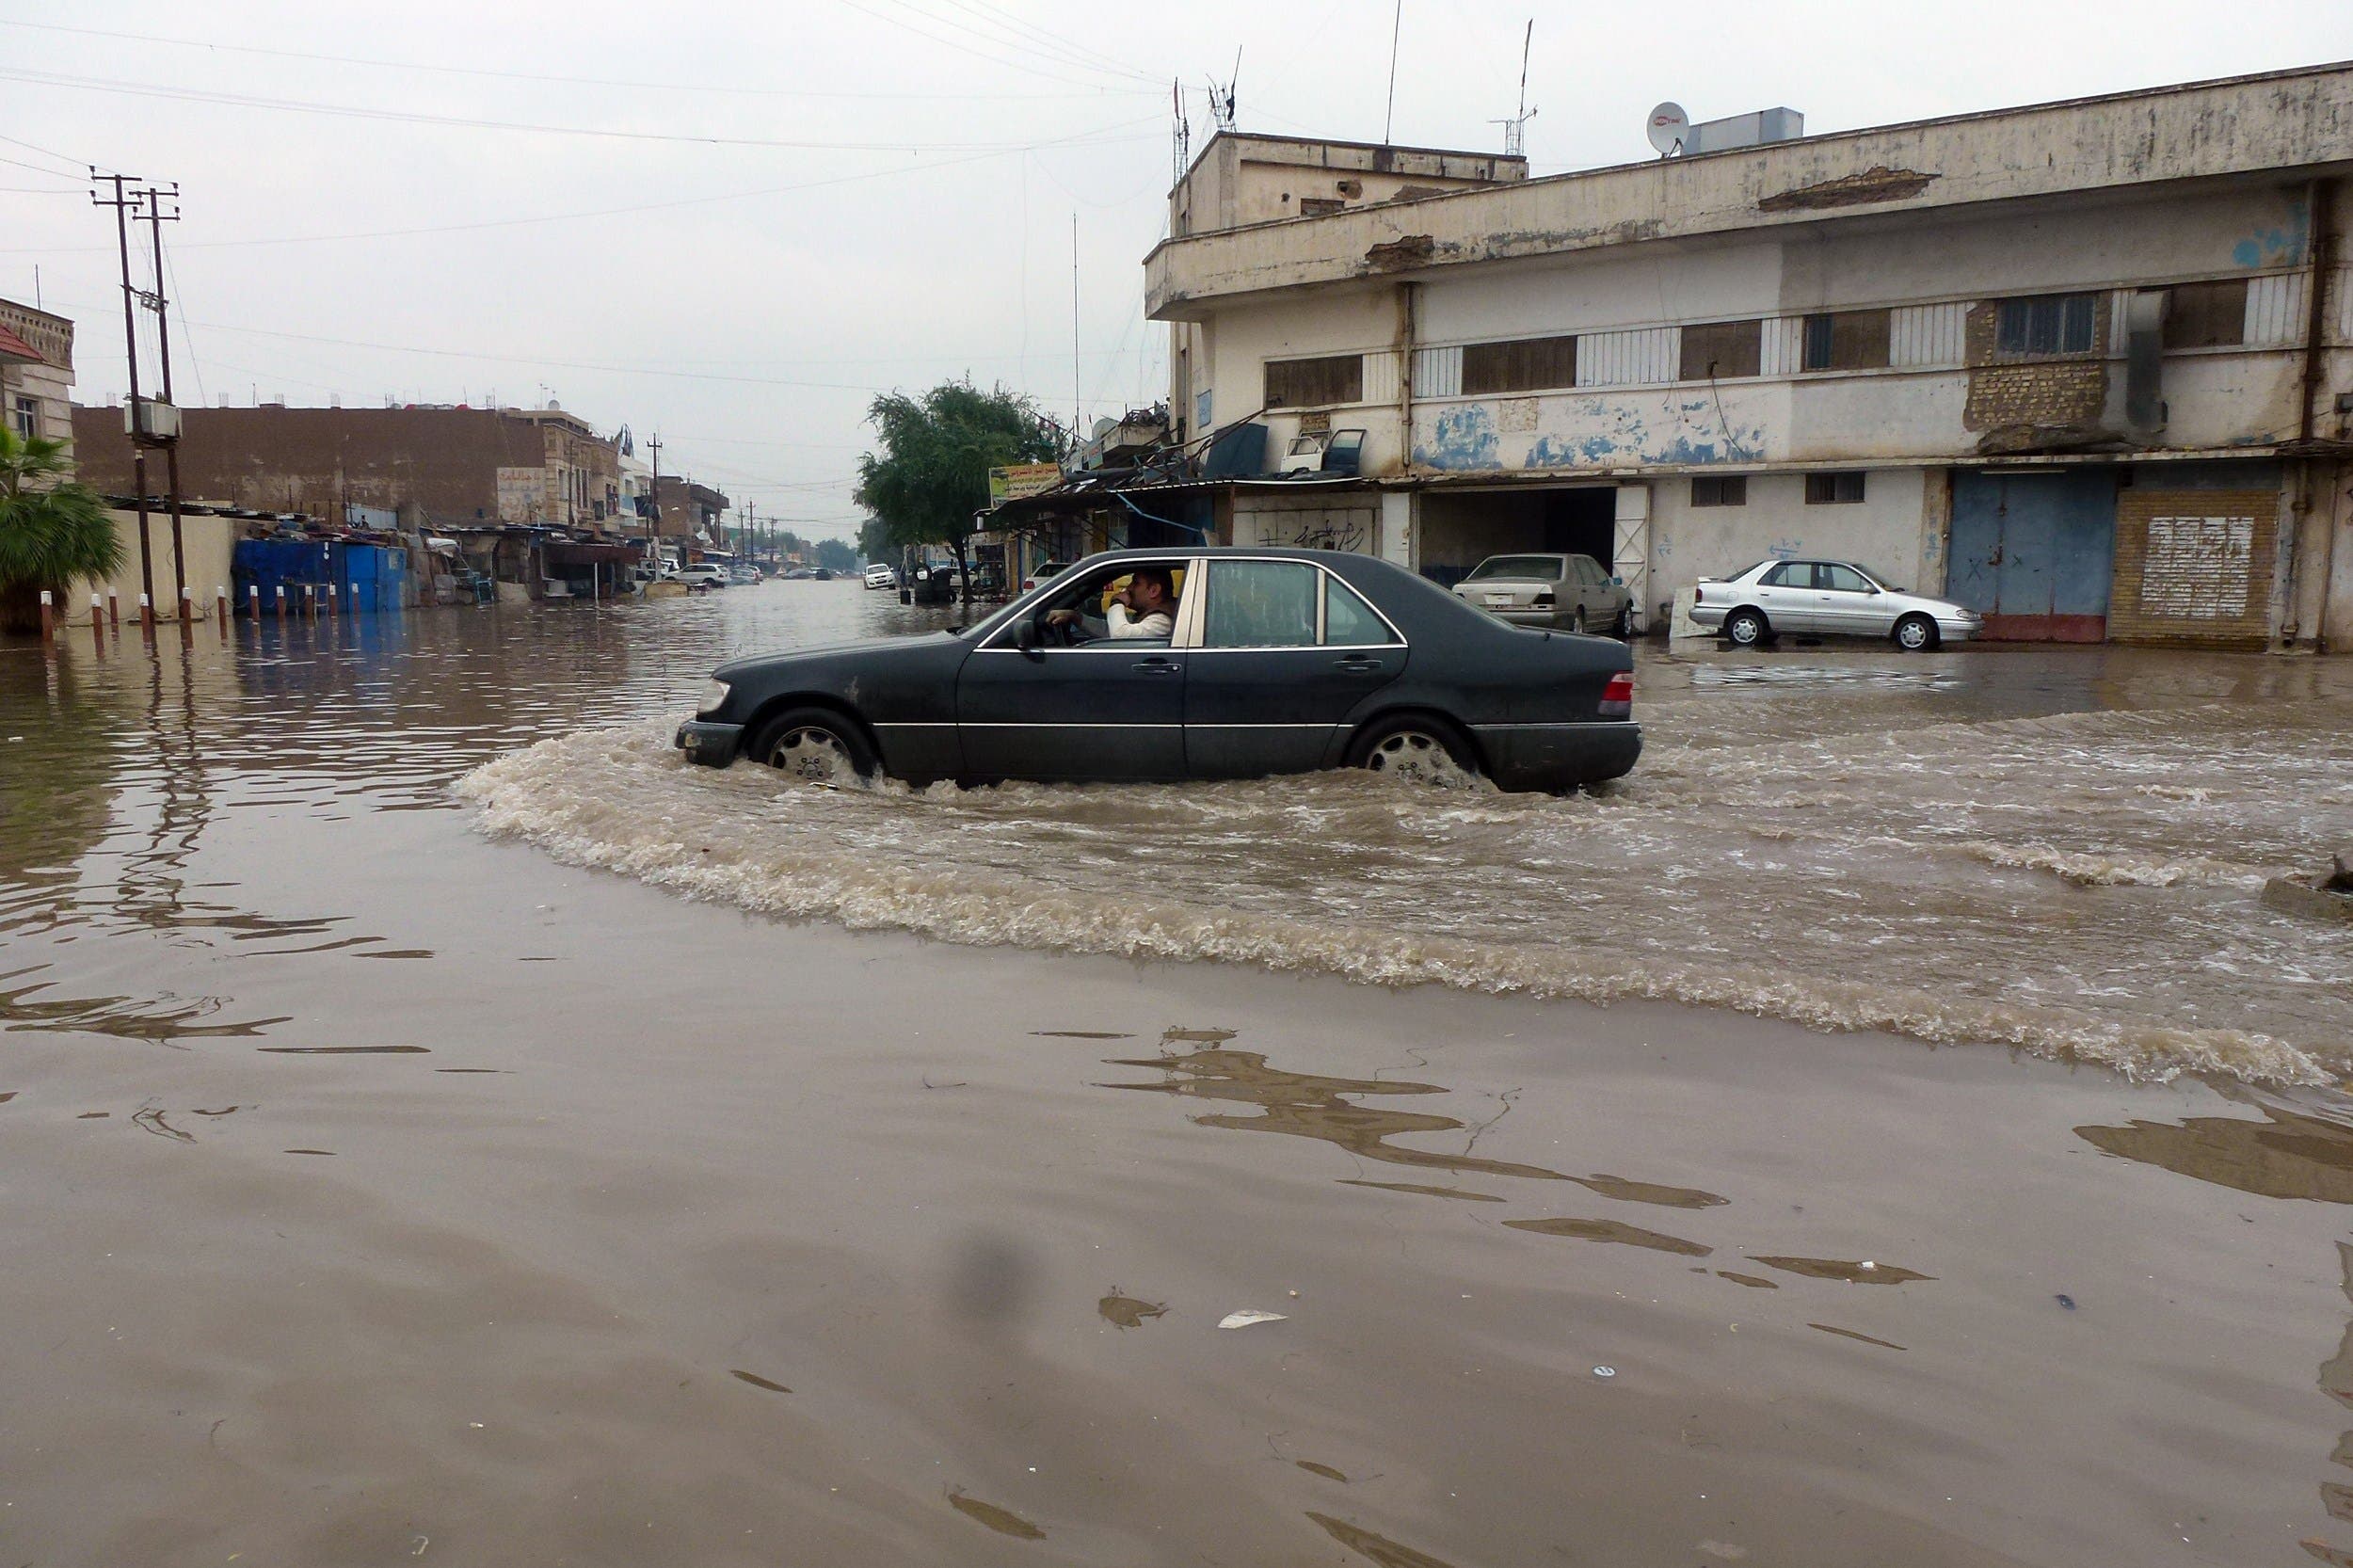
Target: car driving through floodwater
[{"x": 1262, "y": 662}]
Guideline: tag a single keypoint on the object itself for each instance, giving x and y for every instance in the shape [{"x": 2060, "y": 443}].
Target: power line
[
  {"x": 978, "y": 53},
  {"x": 631, "y": 82},
  {"x": 1099, "y": 138},
  {"x": 409, "y": 117}
]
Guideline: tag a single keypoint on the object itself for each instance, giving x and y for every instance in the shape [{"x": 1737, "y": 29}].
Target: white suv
[
  {"x": 702, "y": 576},
  {"x": 879, "y": 575}
]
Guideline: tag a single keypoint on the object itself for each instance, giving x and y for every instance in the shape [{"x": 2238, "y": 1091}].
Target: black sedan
[{"x": 1272, "y": 661}]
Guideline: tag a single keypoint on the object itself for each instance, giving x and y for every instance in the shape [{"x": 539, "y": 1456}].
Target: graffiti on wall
[{"x": 1589, "y": 432}]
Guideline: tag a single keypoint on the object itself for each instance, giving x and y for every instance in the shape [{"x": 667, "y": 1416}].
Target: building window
[
  {"x": 2206, "y": 315},
  {"x": 2049, "y": 324},
  {"x": 1727, "y": 490},
  {"x": 1308, "y": 383},
  {"x": 1717, "y": 349},
  {"x": 1846, "y": 340},
  {"x": 1320, "y": 207},
  {"x": 1525, "y": 364},
  {"x": 1833, "y": 490},
  {"x": 25, "y": 413}
]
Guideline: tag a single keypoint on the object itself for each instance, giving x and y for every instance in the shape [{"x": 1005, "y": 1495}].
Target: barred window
[
  {"x": 1846, "y": 340},
  {"x": 1308, "y": 383},
  {"x": 2046, "y": 324},
  {"x": 1833, "y": 490},
  {"x": 1716, "y": 349},
  {"x": 1720, "y": 489},
  {"x": 1524, "y": 364}
]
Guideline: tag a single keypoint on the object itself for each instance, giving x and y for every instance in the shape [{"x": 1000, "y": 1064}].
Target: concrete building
[
  {"x": 436, "y": 468},
  {"x": 36, "y": 372},
  {"x": 2086, "y": 366},
  {"x": 690, "y": 511}
]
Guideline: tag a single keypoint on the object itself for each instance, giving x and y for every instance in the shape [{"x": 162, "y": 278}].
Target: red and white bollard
[
  {"x": 331, "y": 601},
  {"x": 114, "y": 609},
  {"x": 48, "y": 616},
  {"x": 147, "y": 613},
  {"x": 254, "y": 602},
  {"x": 282, "y": 605},
  {"x": 220, "y": 603},
  {"x": 97, "y": 620}
]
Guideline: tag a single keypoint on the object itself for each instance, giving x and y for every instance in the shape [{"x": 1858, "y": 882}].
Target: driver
[{"x": 1147, "y": 607}]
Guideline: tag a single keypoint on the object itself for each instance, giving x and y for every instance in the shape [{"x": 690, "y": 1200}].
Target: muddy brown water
[{"x": 618, "y": 1163}]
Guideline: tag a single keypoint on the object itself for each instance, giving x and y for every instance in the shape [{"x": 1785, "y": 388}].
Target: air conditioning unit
[{"x": 150, "y": 420}]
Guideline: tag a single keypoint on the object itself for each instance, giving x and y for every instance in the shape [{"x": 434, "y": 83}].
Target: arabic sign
[{"x": 1021, "y": 479}]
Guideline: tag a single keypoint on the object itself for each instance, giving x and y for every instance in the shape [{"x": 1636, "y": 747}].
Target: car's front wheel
[
  {"x": 1746, "y": 627},
  {"x": 1915, "y": 633},
  {"x": 815, "y": 745},
  {"x": 1417, "y": 750}
]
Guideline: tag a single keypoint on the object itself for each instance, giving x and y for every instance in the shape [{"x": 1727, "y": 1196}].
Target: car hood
[{"x": 759, "y": 663}]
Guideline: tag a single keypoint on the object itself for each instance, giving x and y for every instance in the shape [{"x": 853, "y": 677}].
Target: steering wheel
[{"x": 1064, "y": 634}]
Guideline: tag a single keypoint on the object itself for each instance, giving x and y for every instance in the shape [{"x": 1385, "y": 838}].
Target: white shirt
[{"x": 1159, "y": 623}]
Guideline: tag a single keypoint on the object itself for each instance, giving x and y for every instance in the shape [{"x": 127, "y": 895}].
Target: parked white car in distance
[
  {"x": 879, "y": 575},
  {"x": 702, "y": 576},
  {"x": 1826, "y": 599}
]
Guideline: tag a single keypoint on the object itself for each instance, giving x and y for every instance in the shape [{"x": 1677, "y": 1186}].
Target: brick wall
[
  {"x": 2194, "y": 566},
  {"x": 2051, "y": 392}
]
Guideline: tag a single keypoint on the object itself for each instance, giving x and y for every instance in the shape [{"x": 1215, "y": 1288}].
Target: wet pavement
[{"x": 374, "y": 1188}]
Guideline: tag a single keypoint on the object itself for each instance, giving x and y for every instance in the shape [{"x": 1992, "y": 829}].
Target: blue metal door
[{"x": 2034, "y": 552}]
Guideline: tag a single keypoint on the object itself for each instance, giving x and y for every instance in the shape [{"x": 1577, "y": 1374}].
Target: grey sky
[{"x": 890, "y": 198}]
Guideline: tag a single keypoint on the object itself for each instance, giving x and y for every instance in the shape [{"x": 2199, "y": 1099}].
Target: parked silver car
[
  {"x": 1835, "y": 598},
  {"x": 1566, "y": 593}
]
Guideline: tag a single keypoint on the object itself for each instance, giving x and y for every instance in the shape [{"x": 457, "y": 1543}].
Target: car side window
[
  {"x": 1785, "y": 575},
  {"x": 1348, "y": 620},
  {"x": 1260, "y": 604},
  {"x": 1845, "y": 580}
]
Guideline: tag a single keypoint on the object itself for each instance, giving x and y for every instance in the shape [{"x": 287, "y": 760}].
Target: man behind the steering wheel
[{"x": 1146, "y": 608}]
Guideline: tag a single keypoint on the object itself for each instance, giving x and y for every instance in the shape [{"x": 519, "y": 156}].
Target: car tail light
[
  {"x": 1699, "y": 596},
  {"x": 1028, "y": 583},
  {"x": 1617, "y": 699}
]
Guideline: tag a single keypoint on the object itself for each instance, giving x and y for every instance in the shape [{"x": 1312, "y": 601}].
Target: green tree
[
  {"x": 931, "y": 475},
  {"x": 836, "y": 556},
  {"x": 54, "y": 530}
]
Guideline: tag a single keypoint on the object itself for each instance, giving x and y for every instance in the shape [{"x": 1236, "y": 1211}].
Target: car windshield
[{"x": 1541, "y": 568}]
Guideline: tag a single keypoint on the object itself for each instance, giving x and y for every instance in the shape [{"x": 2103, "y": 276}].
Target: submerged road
[{"x": 380, "y": 1180}]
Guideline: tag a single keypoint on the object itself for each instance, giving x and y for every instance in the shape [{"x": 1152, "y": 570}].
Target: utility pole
[
  {"x": 121, "y": 202},
  {"x": 1077, "y": 369},
  {"x": 156, "y": 219}
]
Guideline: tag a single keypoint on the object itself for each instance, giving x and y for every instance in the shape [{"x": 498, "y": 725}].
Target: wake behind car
[
  {"x": 1568, "y": 593},
  {"x": 1265, "y": 661},
  {"x": 1831, "y": 599}
]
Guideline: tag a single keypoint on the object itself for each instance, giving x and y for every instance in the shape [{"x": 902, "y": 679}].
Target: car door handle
[
  {"x": 1158, "y": 666},
  {"x": 1357, "y": 664}
]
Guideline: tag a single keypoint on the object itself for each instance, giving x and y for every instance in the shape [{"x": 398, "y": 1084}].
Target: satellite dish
[
  {"x": 1669, "y": 126},
  {"x": 1105, "y": 426}
]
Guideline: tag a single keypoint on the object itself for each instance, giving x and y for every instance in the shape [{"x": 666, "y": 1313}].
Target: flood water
[{"x": 437, "y": 1124}]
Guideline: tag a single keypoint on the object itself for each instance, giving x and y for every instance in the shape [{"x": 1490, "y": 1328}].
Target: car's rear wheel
[
  {"x": 1577, "y": 619},
  {"x": 1624, "y": 629},
  {"x": 1915, "y": 633},
  {"x": 1746, "y": 627},
  {"x": 815, "y": 745},
  {"x": 1418, "y": 750}
]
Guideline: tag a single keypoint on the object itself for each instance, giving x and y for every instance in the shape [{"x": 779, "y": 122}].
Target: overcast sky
[{"x": 735, "y": 223}]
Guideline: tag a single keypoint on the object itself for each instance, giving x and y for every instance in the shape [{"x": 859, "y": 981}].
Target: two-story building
[
  {"x": 2086, "y": 366},
  {"x": 36, "y": 372}
]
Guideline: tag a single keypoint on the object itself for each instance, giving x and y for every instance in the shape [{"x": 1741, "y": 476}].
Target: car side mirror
[
  {"x": 1025, "y": 636},
  {"x": 1617, "y": 582}
]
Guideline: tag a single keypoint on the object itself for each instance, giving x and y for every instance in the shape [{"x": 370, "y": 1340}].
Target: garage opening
[{"x": 1462, "y": 528}]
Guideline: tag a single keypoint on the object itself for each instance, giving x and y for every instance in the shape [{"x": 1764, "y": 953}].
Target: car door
[
  {"x": 1286, "y": 652},
  {"x": 1593, "y": 593},
  {"x": 1786, "y": 594},
  {"x": 1850, "y": 604},
  {"x": 1104, "y": 711}
]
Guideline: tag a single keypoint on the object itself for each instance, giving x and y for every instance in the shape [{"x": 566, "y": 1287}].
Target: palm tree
[{"x": 54, "y": 530}]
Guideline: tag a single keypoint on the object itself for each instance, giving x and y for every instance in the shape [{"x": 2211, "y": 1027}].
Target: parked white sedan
[
  {"x": 1832, "y": 599},
  {"x": 1565, "y": 592}
]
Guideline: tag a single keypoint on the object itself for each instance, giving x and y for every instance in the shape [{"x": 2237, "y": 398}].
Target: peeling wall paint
[{"x": 1584, "y": 431}]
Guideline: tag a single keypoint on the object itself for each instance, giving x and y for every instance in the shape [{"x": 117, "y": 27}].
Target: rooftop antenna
[
  {"x": 1669, "y": 127},
  {"x": 1183, "y": 129},
  {"x": 1397, "y": 24},
  {"x": 1516, "y": 128},
  {"x": 1222, "y": 98}
]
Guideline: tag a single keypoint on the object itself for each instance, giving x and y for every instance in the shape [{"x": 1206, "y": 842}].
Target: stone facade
[{"x": 41, "y": 394}]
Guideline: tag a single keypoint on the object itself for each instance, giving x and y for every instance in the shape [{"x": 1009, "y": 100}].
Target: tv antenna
[
  {"x": 1669, "y": 127},
  {"x": 1516, "y": 128},
  {"x": 1222, "y": 98},
  {"x": 1183, "y": 129}
]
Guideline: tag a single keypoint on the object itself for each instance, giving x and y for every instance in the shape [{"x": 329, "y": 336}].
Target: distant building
[
  {"x": 36, "y": 372},
  {"x": 690, "y": 511},
  {"x": 2086, "y": 366},
  {"x": 438, "y": 468}
]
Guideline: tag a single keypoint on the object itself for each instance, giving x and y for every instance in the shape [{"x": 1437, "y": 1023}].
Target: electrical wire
[
  {"x": 409, "y": 117},
  {"x": 631, "y": 83}
]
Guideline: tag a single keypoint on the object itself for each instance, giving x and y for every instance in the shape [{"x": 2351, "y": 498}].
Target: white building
[{"x": 2085, "y": 366}]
